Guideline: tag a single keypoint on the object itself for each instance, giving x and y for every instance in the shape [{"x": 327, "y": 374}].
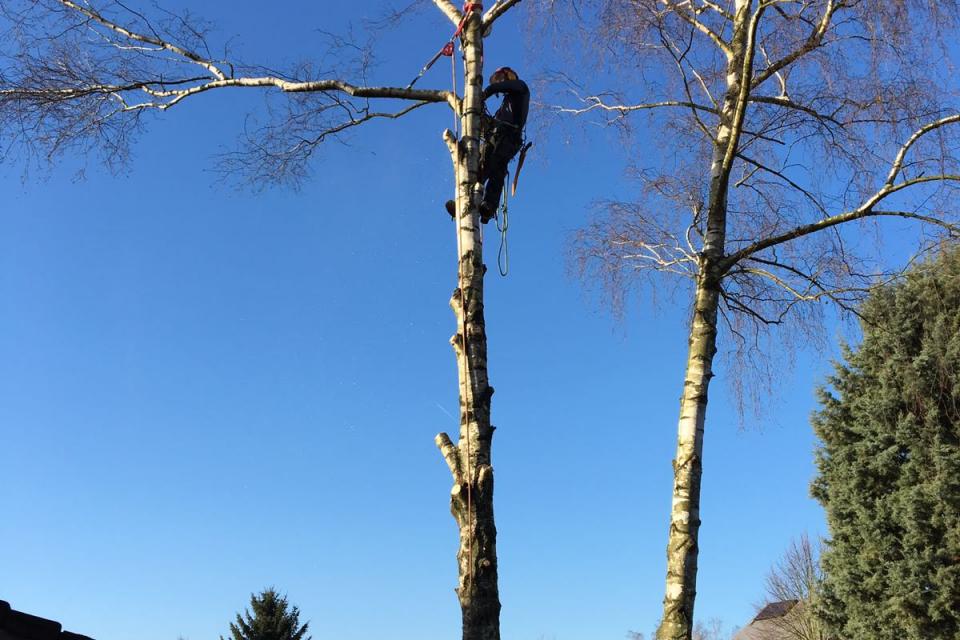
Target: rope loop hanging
[{"x": 503, "y": 223}]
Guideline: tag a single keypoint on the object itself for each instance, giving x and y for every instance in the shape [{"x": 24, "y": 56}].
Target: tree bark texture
[
  {"x": 683, "y": 538},
  {"x": 471, "y": 499},
  {"x": 677, "y": 622}
]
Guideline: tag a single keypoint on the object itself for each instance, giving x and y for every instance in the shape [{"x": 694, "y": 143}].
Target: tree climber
[{"x": 502, "y": 138}]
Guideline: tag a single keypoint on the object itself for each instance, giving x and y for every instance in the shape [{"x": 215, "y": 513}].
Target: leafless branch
[
  {"x": 796, "y": 577},
  {"x": 499, "y": 8},
  {"x": 814, "y": 40},
  {"x": 855, "y": 129},
  {"x": 719, "y": 9},
  {"x": 80, "y": 75},
  {"x": 275, "y": 154},
  {"x": 147, "y": 39},
  {"x": 596, "y": 103},
  {"x": 450, "y": 10},
  {"x": 692, "y": 18}
]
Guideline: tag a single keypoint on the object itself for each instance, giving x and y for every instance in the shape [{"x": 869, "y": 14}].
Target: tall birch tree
[
  {"x": 83, "y": 75},
  {"x": 780, "y": 134}
]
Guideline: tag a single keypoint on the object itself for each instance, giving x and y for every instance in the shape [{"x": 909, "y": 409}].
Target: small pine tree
[
  {"x": 889, "y": 466},
  {"x": 270, "y": 620}
]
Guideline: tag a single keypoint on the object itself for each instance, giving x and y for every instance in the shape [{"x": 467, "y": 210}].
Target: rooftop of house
[
  {"x": 775, "y": 610},
  {"x": 16, "y": 625},
  {"x": 766, "y": 624}
]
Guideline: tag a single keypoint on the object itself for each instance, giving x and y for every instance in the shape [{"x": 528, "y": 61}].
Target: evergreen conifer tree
[
  {"x": 889, "y": 466},
  {"x": 272, "y": 619}
]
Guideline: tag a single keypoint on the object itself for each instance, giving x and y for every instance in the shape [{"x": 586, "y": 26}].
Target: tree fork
[
  {"x": 471, "y": 498},
  {"x": 684, "y": 533}
]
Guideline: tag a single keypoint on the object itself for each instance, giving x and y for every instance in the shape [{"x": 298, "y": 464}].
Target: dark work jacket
[{"x": 516, "y": 101}]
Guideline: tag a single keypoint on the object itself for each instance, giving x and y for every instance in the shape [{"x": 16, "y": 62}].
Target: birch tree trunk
[
  {"x": 69, "y": 94},
  {"x": 817, "y": 132},
  {"x": 682, "y": 544},
  {"x": 471, "y": 499},
  {"x": 677, "y": 622}
]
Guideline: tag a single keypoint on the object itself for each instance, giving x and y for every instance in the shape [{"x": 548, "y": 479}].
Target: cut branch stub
[{"x": 450, "y": 455}]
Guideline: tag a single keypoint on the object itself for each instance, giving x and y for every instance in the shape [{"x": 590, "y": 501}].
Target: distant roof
[
  {"x": 16, "y": 625},
  {"x": 775, "y": 610},
  {"x": 766, "y": 626}
]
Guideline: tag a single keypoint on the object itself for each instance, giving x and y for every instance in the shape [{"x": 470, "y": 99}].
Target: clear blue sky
[{"x": 205, "y": 392}]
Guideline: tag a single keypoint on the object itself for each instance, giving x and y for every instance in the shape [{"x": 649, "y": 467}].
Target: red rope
[
  {"x": 468, "y": 8},
  {"x": 447, "y": 49}
]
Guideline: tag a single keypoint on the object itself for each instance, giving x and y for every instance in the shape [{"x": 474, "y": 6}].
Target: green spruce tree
[
  {"x": 889, "y": 466},
  {"x": 272, "y": 619}
]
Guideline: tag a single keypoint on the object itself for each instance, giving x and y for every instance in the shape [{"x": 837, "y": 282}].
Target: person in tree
[{"x": 503, "y": 137}]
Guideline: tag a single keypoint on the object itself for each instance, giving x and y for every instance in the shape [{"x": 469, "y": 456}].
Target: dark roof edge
[
  {"x": 23, "y": 626},
  {"x": 776, "y": 610}
]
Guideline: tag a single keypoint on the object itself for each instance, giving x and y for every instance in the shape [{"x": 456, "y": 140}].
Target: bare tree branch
[
  {"x": 692, "y": 19},
  {"x": 814, "y": 40},
  {"x": 838, "y": 219},
  {"x": 718, "y": 9},
  {"x": 450, "y": 10},
  {"x": 138, "y": 37},
  {"x": 499, "y": 8},
  {"x": 797, "y": 577},
  {"x": 597, "y": 103},
  {"x": 170, "y": 97},
  {"x": 897, "y": 165},
  {"x": 450, "y": 455},
  {"x": 783, "y": 101},
  {"x": 867, "y": 208},
  {"x": 84, "y": 77}
]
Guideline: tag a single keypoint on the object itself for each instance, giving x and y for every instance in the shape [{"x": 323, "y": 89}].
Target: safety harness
[{"x": 447, "y": 50}]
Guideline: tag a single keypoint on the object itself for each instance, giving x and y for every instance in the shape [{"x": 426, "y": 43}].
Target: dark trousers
[{"x": 501, "y": 144}]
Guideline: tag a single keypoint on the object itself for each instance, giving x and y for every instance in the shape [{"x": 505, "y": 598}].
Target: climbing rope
[
  {"x": 447, "y": 48},
  {"x": 468, "y": 379},
  {"x": 503, "y": 223}
]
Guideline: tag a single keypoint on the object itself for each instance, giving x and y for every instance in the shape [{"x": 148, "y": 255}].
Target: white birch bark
[
  {"x": 682, "y": 545},
  {"x": 65, "y": 103},
  {"x": 471, "y": 499}
]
